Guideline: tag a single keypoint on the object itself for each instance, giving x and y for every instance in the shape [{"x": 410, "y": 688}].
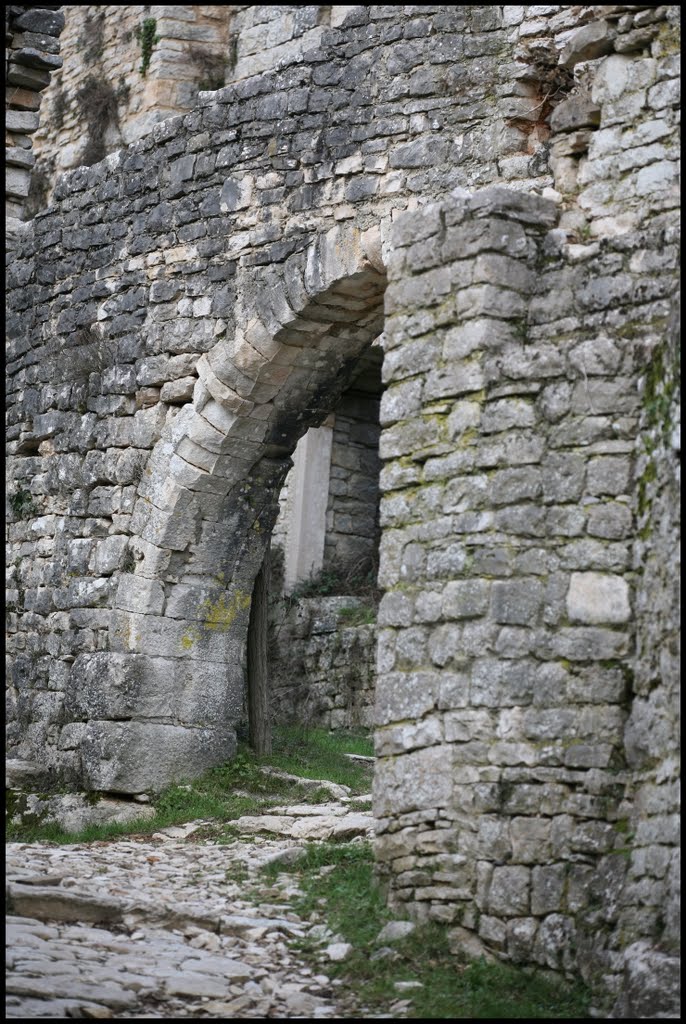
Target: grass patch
[
  {"x": 233, "y": 789},
  {"x": 355, "y": 909},
  {"x": 318, "y": 754},
  {"x": 357, "y": 616}
]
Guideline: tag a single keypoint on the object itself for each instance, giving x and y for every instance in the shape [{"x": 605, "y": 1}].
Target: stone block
[
  {"x": 137, "y": 594},
  {"x": 509, "y": 891},
  {"x": 510, "y": 486},
  {"x": 517, "y": 601},
  {"x": 28, "y": 78},
  {"x": 598, "y": 598},
  {"x": 466, "y": 725},
  {"x": 588, "y": 643},
  {"x": 41, "y": 20},
  {"x": 530, "y": 843},
  {"x": 465, "y": 599},
  {"x": 24, "y": 122},
  {"x": 414, "y": 781},
  {"x": 496, "y": 683},
  {"x": 142, "y": 757},
  {"x": 17, "y": 181},
  {"x": 31, "y": 57},
  {"x": 521, "y": 933},
  {"x": 553, "y": 944},
  {"x": 108, "y": 554},
  {"x": 575, "y": 112},
  {"x": 403, "y": 695},
  {"x": 588, "y": 43},
  {"x": 496, "y": 201},
  {"x": 506, "y": 413}
]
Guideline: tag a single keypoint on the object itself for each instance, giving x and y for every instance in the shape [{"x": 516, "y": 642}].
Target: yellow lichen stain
[{"x": 220, "y": 614}]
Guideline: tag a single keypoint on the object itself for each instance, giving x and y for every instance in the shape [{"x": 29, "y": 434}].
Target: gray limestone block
[
  {"x": 547, "y": 889},
  {"x": 29, "y": 56},
  {"x": 598, "y": 598},
  {"x": 588, "y": 43},
  {"x": 459, "y": 378},
  {"x": 609, "y": 475},
  {"x": 138, "y": 594},
  {"x": 563, "y": 476},
  {"x": 651, "y": 979},
  {"x": 24, "y": 122},
  {"x": 39, "y": 40},
  {"x": 517, "y": 601},
  {"x": 587, "y": 643},
  {"x": 494, "y": 235},
  {"x": 508, "y": 486},
  {"x": 499, "y": 683},
  {"x": 489, "y": 300},
  {"x": 520, "y": 206},
  {"x": 28, "y": 78},
  {"x": 17, "y": 181},
  {"x": 465, "y": 599},
  {"x": 578, "y": 111},
  {"x": 509, "y": 891},
  {"x": 144, "y": 757},
  {"x": 408, "y": 782},
  {"x": 495, "y": 268},
  {"x": 42, "y": 20},
  {"x": 422, "y": 153},
  {"x": 403, "y": 695},
  {"x": 521, "y": 934}
]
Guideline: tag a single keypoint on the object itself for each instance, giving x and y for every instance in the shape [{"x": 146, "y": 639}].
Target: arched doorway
[{"x": 206, "y": 506}]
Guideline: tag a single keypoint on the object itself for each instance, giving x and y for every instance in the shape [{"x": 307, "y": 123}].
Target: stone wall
[
  {"x": 186, "y": 309},
  {"x": 341, "y": 539},
  {"x": 125, "y": 69},
  {"x": 322, "y": 663},
  {"x": 517, "y": 662},
  {"x": 31, "y": 54},
  {"x": 352, "y": 523}
]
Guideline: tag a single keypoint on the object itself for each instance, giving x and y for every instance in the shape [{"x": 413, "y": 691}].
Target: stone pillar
[
  {"x": 307, "y": 500},
  {"x": 32, "y": 54}
]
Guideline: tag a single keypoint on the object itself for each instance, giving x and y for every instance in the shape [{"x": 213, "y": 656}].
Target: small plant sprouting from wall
[
  {"x": 22, "y": 504},
  {"x": 147, "y": 38}
]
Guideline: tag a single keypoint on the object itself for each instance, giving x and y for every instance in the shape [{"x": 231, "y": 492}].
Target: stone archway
[{"x": 164, "y": 701}]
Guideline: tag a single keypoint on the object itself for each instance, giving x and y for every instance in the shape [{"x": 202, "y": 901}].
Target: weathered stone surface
[
  {"x": 594, "y": 597},
  {"x": 530, "y": 448},
  {"x": 137, "y": 757},
  {"x": 395, "y": 931},
  {"x": 573, "y": 113},
  {"x": 587, "y": 43}
]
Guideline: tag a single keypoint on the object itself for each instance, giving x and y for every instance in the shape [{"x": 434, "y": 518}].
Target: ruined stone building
[{"x": 467, "y": 217}]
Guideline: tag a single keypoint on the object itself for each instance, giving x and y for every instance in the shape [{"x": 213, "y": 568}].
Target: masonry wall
[
  {"x": 32, "y": 53},
  {"x": 352, "y": 515},
  {"x": 125, "y": 69},
  {"x": 185, "y": 310},
  {"x": 322, "y": 662}
]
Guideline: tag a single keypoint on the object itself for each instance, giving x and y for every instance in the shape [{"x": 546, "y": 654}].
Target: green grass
[
  {"x": 236, "y": 788},
  {"x": 317, "y": 754},
  {"x": 360, "y": 615},
  {"x": 355, "y": 909}
]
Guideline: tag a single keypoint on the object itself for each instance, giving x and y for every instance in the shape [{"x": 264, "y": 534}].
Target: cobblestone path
[{"x": 169, "y": 926}]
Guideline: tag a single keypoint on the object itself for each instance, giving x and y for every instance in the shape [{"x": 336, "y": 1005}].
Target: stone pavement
[{"x": 168, "y": 926}]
